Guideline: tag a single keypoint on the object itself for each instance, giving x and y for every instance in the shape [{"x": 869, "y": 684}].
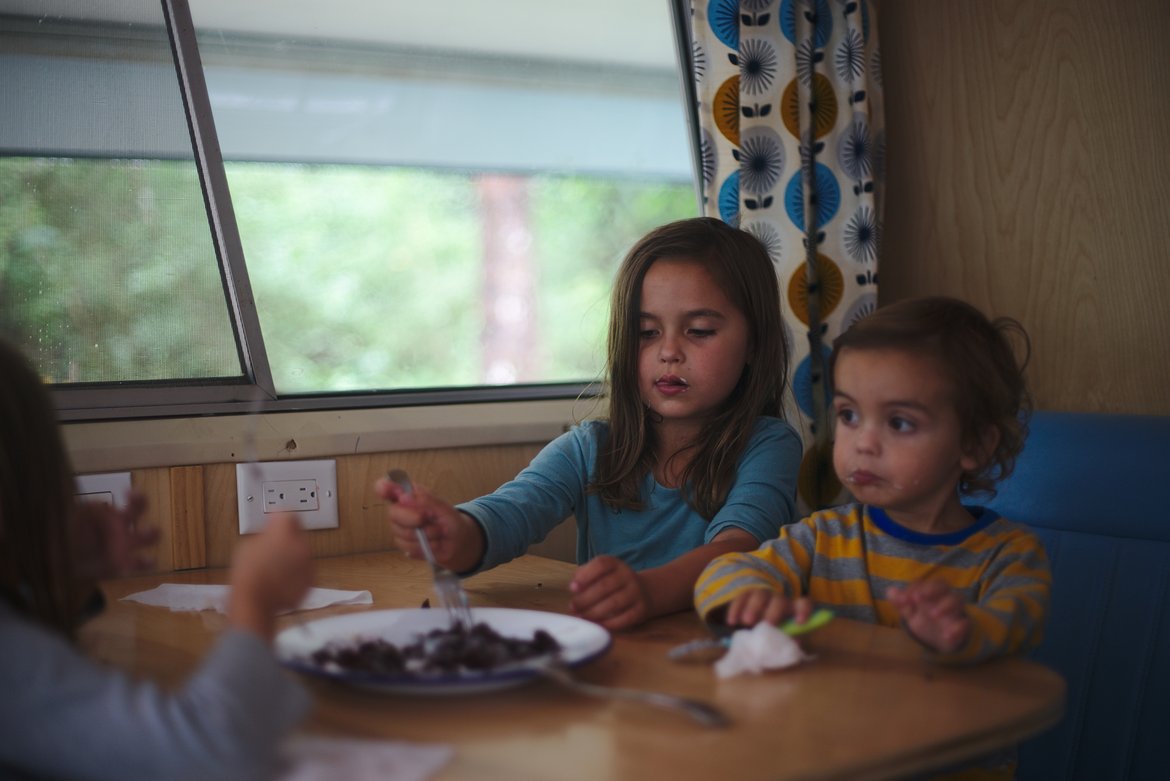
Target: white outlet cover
[
  {"x": 110, "y": 488},
  {"x": 250, "y": 480}
]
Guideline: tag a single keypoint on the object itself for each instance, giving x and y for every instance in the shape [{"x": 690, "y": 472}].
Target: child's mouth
[
  {"x": 671, "y": 384},
  {"x": 862, "y": 479}
]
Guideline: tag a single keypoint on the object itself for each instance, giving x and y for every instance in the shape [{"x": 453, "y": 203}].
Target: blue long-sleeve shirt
[
  {"x": 64, "y": 716},
  {"x": 553, "y": 487}
]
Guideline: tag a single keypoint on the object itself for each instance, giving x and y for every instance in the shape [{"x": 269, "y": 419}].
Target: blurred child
[
  {"x": 64, "y": 716},
  {"x": 927, "y": 399},
  {"x": 693, "y": 460}
]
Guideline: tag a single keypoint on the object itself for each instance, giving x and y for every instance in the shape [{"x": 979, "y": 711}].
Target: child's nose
[
  {"x": 868, "y": 439},
  {"x": 669, "y": 349}
]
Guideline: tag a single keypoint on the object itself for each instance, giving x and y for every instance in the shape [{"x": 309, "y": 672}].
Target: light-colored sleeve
[
  {"x": 1008, "y": 618},
  {"x": 523, "y": 511},
  {"x": 64, "y": 716},
  {"x": 782, "y": 565},
  {"x": 763, "y": 497}
]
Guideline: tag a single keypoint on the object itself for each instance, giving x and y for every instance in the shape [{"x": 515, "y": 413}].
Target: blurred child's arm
[
  {"x": 108, "y": 542},
  {"x": 270, "y": 572},
  {"x": 610, "y": 592},
  {"x": 226, "y": 721}
]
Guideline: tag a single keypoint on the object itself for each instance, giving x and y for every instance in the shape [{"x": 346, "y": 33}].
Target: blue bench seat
[{"x": 1096, "y": 489}]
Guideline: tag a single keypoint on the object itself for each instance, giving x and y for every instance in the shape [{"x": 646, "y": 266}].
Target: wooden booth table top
[{"x": 867, "y": 707}]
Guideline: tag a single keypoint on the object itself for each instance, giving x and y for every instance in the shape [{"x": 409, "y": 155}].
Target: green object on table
[
  {"x": 709, "y": 649},
  {"x": 818, "y": 619}
]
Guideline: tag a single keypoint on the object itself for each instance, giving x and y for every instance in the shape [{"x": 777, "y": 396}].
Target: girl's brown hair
[
  {"x": 36, "y": 499},
  {"x": 975, "y": 354},
  {"x": 741, "y": 266}
]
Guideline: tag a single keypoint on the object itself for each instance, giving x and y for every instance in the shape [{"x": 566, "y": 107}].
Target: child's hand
[
  {"x": 934, "y": 613},
  {"x": 270, "y": 572},
  {"x": 766, "y": 605},
  {"x": 607, "y": 591},
  {"x": 455, "y": 538},
  {"x": 108, "y": 542}
]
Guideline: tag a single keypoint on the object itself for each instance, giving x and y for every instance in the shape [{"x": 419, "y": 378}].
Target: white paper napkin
[
  {"x": 317, "y": 758},
  {"x": 179, "y": 597},
  {"x": 763, "y": 647}
]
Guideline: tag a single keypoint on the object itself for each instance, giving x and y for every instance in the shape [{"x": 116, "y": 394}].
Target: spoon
[
  {"x": 704, "y": 713},
  {"x": 710, "y": 649}
]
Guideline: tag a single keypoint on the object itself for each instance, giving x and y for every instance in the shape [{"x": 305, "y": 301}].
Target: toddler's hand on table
[
  {"x": 607, "y": 591},
  {"x": 934, "y": 613},
  {"x": 766, "y": 605}
]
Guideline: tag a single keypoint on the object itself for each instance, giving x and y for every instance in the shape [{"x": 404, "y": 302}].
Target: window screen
[
  {"x": 426, "y": 196},
  {"x": 107, "y": 268}
]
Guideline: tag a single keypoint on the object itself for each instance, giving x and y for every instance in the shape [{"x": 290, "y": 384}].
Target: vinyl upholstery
[{"x": 1096, "y": 488}]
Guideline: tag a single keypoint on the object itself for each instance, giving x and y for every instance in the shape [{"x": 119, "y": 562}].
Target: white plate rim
[{"x": 293, "y": 645}]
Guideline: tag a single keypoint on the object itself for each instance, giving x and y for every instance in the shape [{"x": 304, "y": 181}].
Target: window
[{"x": 407, "y": 201}]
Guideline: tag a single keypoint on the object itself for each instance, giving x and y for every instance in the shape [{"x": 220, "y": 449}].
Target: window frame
[{"x": 255, "y": 391}]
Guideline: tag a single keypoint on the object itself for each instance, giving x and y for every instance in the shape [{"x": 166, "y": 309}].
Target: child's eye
[
  {"x": 701, "y": 332},
  {"x": 847, "y": 415},
  {"x": 901, "y": 425},
  {"x": 648, "y": 333}
]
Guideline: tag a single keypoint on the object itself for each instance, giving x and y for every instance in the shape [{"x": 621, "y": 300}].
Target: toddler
[{"x": 927, "y": 402}]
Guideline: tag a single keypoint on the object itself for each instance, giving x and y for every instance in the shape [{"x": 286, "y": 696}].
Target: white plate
[{"x": 581, "y": 641}]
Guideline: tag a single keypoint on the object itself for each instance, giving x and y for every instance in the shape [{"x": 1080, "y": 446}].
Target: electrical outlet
[
  {"x": 111, "y": 488},
  {"x": 291, "y": 496},
  {"x": 308, "y": 489}
]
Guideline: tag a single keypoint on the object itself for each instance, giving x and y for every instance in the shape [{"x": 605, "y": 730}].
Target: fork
[
  {"x": 704, "y": 713},
  {"x": 447, "y": 586}
]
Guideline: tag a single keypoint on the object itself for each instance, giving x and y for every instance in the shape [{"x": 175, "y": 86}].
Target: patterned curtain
[{"x": 792, "y": 139}]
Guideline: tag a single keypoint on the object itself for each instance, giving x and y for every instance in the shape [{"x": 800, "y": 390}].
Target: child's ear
[{"x": 976, "y": 456}]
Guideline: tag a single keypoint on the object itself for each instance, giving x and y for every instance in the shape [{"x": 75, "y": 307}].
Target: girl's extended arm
[
  {"x": 456, "y": 540},
  {"x": 609, "y": 592}
]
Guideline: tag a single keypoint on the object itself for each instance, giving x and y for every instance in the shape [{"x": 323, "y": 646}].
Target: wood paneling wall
[
  {"x": 1028, "y": 165},
  {"x": 195, "y": 506}
]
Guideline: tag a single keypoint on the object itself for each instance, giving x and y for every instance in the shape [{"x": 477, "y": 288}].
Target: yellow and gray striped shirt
[{"x": 845, "y": 558}]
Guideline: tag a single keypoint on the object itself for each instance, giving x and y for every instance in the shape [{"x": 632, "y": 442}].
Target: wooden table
[{"x": 868, "y": 707}]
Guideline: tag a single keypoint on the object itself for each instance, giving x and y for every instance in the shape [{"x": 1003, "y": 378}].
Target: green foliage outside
[
  {"x": 364, "y": 278},
  {"x": 107, "y": 271}
]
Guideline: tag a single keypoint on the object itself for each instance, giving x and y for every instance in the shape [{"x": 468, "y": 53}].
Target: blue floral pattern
[{"x": 792, "y": 147}]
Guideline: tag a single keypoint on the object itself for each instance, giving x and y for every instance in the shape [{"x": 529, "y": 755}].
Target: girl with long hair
[{"x": 693, "y": 458}]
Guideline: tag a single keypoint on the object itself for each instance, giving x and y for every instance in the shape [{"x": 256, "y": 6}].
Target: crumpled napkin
[
  {"x": 763, "y": 647},
  {"x": 319, "y": 758},
  {"x": 180, "y": 597}
]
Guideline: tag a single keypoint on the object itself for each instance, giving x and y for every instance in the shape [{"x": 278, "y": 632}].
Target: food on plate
[{"x": 451, "y": 651}]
